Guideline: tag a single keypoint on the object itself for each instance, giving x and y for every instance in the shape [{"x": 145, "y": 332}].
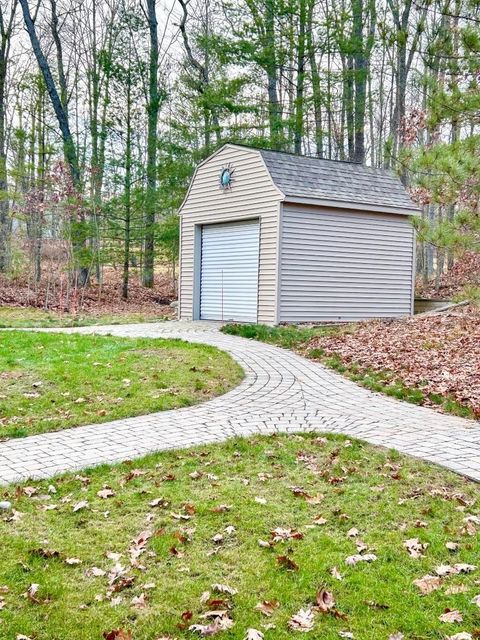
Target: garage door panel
[{"x": 229, "y": 271}]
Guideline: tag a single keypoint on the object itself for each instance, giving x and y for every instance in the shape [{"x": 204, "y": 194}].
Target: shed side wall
[
  {"x": 252, "y": 195},
  {"x": 344, "y": 265}
]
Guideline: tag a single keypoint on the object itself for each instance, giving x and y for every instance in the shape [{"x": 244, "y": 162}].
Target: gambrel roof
[
  {"x": 327, "y": 183},
  {"x": 333, "y": 181}
]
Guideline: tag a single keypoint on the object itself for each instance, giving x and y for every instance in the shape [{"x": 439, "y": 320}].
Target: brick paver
[{"x": 281, "y": 392}]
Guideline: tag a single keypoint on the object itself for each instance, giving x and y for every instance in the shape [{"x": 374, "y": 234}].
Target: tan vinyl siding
[
  {"x": 252, "y": 195},
  {"x": 344, "y": 265}
]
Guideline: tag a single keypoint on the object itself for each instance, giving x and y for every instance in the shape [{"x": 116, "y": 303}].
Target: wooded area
[{"x": 106, "y": 107}]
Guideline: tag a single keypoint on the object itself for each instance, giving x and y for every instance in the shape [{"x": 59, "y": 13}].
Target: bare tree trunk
[
  {"x": 315, "y": 79},
  {"x": 274, "y": 110},
  {"x": 69, "y": 149},
  {"x": 360, "y": 75},
  {"x": 348, "y": 98},
  {"x": 299, "y": 99},
  {"x": 127, "y": 192},
  {"x": 152, "y": 138},
  {"x": 6, "y": 28}
]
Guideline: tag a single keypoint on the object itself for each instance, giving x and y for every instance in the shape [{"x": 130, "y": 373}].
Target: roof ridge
[{"x": 304, "y": 156}]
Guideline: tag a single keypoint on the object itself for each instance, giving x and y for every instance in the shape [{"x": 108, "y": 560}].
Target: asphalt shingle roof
[{"x": 304, "y": 177}]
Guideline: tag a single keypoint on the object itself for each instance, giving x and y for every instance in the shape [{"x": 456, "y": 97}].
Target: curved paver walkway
[{"x": 281, "y": 392}]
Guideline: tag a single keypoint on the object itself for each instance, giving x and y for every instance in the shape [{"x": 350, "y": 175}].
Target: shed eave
[{"x": 357, "y": 206}]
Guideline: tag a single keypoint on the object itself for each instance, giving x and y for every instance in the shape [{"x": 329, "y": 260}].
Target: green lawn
[
  {"x": 27, "y": 317},
  {"x": 289, "y": 337},
  {"x": 137, "y": 547},
  {"x": 52, "y": 381}
]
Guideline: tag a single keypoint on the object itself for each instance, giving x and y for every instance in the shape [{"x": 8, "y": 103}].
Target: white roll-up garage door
[{"x": 229, "y": 271}]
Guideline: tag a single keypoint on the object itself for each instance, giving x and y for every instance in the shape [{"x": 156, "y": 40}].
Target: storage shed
[{"x": 273, "y": 237}]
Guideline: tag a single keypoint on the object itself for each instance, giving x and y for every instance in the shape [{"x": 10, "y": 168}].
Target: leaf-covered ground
[
  {"x": 457, "y": 282},
  {"x": 274, "y": 535},
  {"x": 103, "y": 299},
  {"x": 437, "y": 354},
  {"x": 52, "y": 381}
]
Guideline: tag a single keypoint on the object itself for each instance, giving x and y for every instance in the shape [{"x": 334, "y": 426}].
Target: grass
[
  {"x": 28, "y": 317},
  {"x": 54, "y": 381},
  {"x": 389, "y": 498},
  {"x": 470, "y": 292},
  {"x": 388, "y": 382},
  {"x": 288, "y": 337}
]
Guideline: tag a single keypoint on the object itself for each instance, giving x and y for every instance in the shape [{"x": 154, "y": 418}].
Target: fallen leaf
[
  {"x": 368, "y": 557},
  {"x": 264, "y": 544},
  {"x": 72, "y": 561},
  {"x": 428, "y": 583},
  {"x": 472, "y": 518},
  {"x": 149, "y": 585},
  {"x": 444, "y": 570},
  {"x": 83, "y": 504},
  {"x": 31, "y": 594},
  {"x": 117, "y": 634},
  {"x": 159, "y": 502},
  {"x": 414, "y": 547},
  {"x": 463, "y": 635},
  {"x": 336, "y": 573},
  {"x": 30, "y": 491},
  {"x": 224, "y": 588},
  {"x": 469, "y": 529},
  {"x": 106, "y": 493},
  {"x": 281, "y": 534},
  {"x": 476, "y": 600},
  {"x": 287, "y": 563},
  {"x": 375, "y": 605},
  {"x": 212, "y": 628},
  {"x": 451, "y": 615},
  {"x": 45, "y": 553},
  {"x": 180, "y": 516},
  {"x": 303, "y": 620},
  {"x": 253, "y": 634},
  {"x": 139, "y": 602},
  {"x": 267, "y": 607},
  {"x": 221, "y": 508},
  {"x": 324, "y": 601},
  {"x": 456, "y": 588},
  {"x": 463, "y": 567},
  {"x": 95, "y": 572}
]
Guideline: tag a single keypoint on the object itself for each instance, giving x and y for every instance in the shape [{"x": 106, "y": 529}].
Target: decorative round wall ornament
[{"x": 226, "y": 177}]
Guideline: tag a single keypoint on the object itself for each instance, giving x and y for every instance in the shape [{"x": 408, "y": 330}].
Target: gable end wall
[{"x": 252, "y": 195}]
